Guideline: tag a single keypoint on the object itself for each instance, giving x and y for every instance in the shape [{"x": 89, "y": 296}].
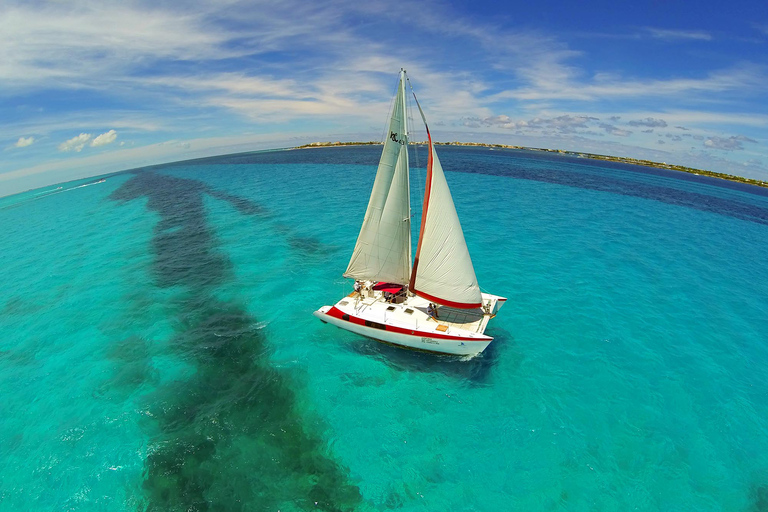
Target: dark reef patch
[
  {"x": 242, "y": 205},
  {"x": 231, "y": 436},
  {"x": 306, "y": 245},
  {"x": 17, "y": 357},
  {"x": 184, "y": 246},
  {"x": 17, "y": 306},
  {"x": 759, "y": 498}
]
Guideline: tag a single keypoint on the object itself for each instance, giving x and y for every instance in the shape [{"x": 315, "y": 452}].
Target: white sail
[
  {"x": 383, "y": 248},
  {"x": 443, "y": 270}
]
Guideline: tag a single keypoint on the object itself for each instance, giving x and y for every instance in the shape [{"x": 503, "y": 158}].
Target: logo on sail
[{"x": 393, "y": 136}]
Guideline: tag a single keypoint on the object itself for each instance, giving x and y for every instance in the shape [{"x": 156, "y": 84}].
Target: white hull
[{"x": 408, "y": 324}]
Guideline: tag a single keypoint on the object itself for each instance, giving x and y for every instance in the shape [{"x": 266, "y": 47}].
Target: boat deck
[
  {"x": 416, "y": 309},
  {"x": 405, "y": 320}
]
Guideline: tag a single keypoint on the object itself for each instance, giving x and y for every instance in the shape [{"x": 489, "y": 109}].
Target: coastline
[{"x": 579, "y": 154}]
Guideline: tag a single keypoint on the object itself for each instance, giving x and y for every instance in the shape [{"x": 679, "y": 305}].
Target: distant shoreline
[{"x": 593, "y": 156}]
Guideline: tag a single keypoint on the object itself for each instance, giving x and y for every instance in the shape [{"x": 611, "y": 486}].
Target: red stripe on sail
[
  {"x": 449, "y": 303},
  {"x": 424, "y": 208}
]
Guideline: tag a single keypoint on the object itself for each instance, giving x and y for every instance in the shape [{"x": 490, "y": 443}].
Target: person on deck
[{"x": 432, "y": 311}]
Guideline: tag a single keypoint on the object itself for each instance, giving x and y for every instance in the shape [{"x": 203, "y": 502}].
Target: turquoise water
[{"x": 158, "y": 352}]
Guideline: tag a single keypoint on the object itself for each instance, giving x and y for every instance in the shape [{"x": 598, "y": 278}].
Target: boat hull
[{"x": 427, "y": 338}]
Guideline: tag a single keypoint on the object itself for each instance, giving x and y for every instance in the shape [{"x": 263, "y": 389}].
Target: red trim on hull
[{"x": 337, "y": 313}]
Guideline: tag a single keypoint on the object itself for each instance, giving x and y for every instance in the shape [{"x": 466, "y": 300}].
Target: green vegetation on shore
[{"x": 620, "y": 159}]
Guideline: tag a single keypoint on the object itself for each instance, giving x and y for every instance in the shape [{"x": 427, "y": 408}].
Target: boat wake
[{"x": 57, "y": 190}]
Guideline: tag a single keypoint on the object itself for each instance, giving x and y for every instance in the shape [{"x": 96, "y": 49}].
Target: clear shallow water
[{"x": 157, "y": 349}]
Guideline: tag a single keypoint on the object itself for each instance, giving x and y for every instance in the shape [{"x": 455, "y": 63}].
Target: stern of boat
[
  {"x": 321, "y": 313},
  {"x": 493, "y": 303}
]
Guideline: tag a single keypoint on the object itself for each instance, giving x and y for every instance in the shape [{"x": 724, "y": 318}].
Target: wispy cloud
[
  {"x": 649, "y": 122},
  {"x": 733, "y": 143},
  {"x": 65, "y": 45},
  {"x": 24, "y": 142},
  {"x": 615, "y": 130},
  {"x": 561, "y": 124},
  {"x": 566, "y": 86},
  {"x": 714, "y": 118},
  {"x": 671, "y": 35},
  {"x": 48, "y": 123}
]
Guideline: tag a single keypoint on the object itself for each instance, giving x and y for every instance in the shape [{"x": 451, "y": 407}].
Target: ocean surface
[{"x": 158, "y": 349}]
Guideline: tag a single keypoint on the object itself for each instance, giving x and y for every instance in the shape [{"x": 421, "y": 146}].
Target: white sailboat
[{"x": 434, "y": 304}]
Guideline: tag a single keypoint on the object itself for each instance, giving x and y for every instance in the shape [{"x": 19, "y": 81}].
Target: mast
[{"x": 403, "y": 79}]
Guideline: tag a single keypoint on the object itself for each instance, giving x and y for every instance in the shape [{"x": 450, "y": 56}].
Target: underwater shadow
[
  {"x": 228, "y": 435},
  {"x": 475, "y": 371},
  {"x": 759, "y": 498}
]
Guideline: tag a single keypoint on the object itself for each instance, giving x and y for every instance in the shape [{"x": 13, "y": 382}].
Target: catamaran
[{"x": 435, "y": 303}]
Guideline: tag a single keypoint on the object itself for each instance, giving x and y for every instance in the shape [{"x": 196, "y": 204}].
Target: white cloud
[
  {"x": 24, "y": 142},
  {"x": 104, "y": 139},
  {"x": 75, "y": 143}
]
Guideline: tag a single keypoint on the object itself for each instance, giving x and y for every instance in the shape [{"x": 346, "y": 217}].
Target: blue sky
[{"x": 88, "y": 88}]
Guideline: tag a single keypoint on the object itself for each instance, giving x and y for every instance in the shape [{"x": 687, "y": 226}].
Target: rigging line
[
  {"x": 419, "y": 178},
  {"x": 410, "y": 117}
]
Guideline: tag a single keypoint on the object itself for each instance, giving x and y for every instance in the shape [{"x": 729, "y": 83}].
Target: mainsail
[
  {"x": 442, "y": 271},
  {"x": 383, "y": 248}
]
